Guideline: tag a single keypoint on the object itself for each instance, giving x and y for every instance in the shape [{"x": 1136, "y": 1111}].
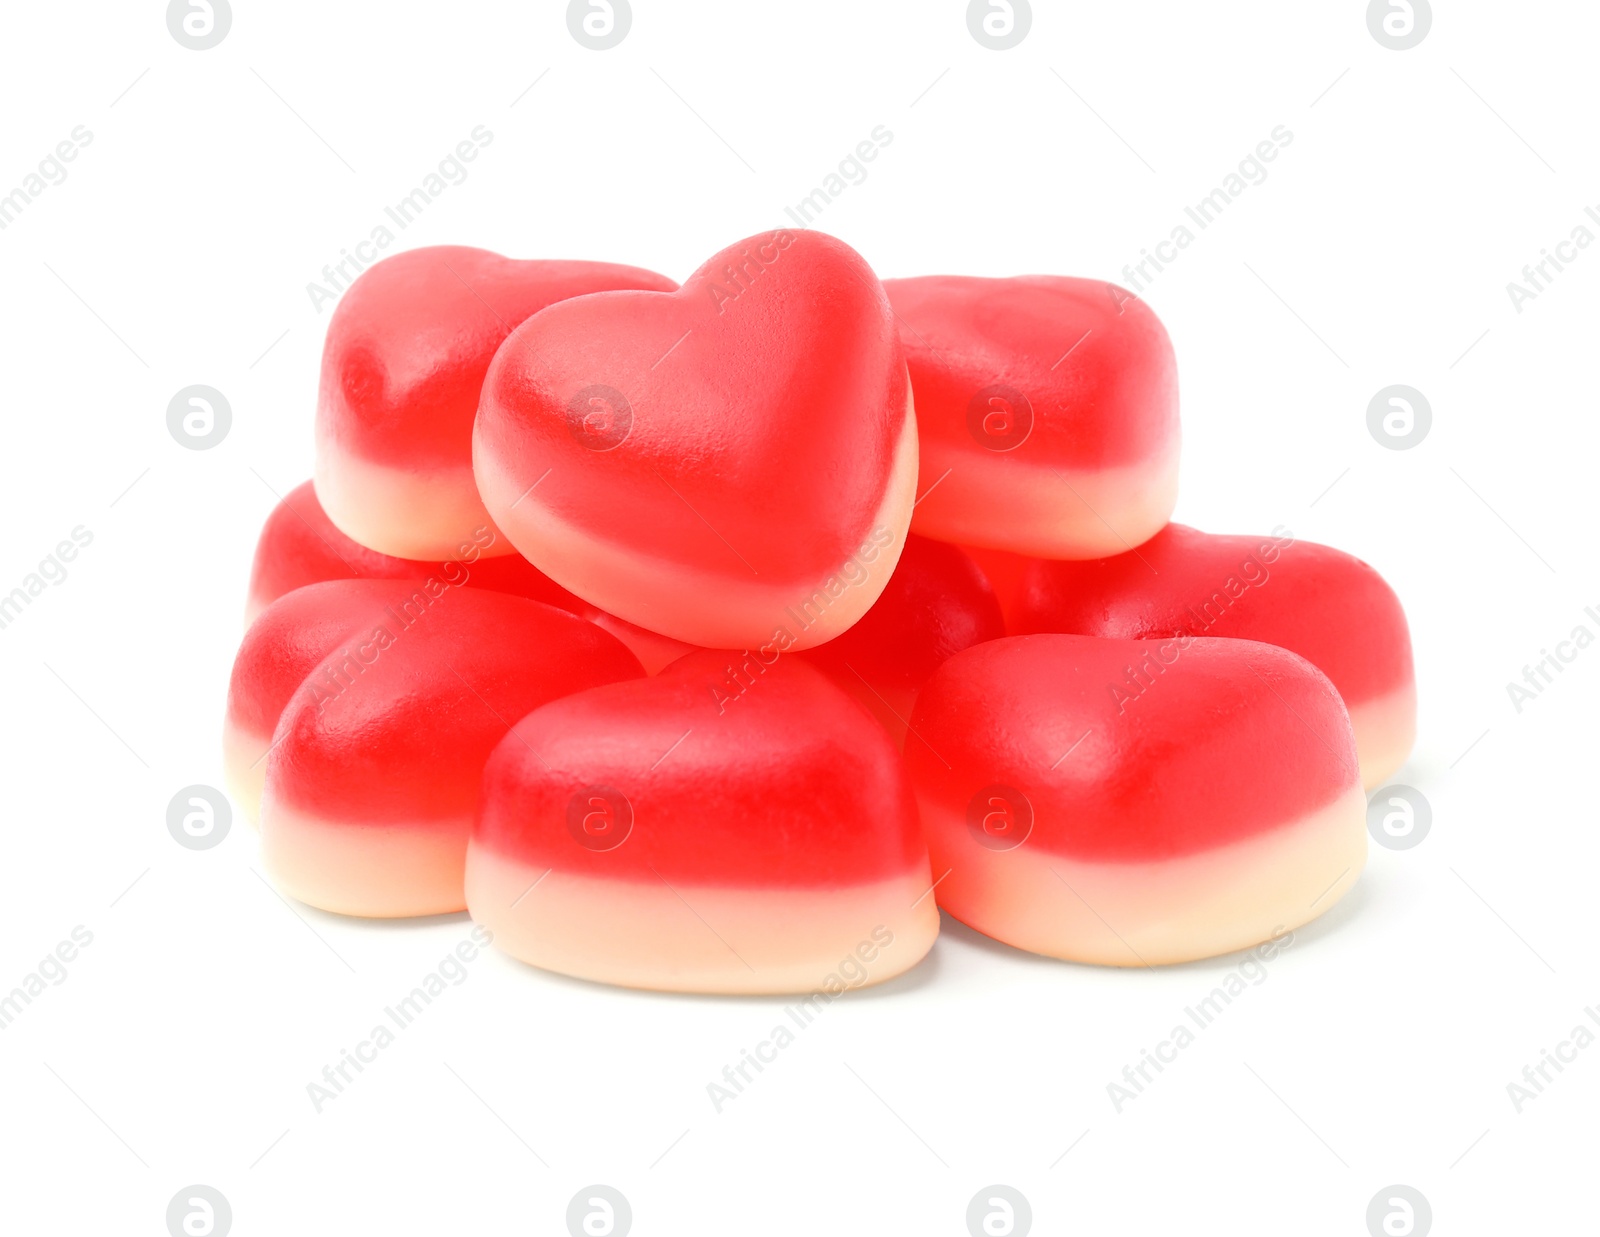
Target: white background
[{"x": 177, "y": 251}]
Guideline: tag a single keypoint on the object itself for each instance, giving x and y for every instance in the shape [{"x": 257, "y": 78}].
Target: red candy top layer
[
  {"x": 397, "y": 727},
  {"x": 290, "y": 637},
  {"x": 936, "y": 603},
  {"x": 746, "y": 423},
  {"x": 1128, "y": 751},
  {"x": 410, "y": 342},
  {"x": 299, "y": 545},
  {"x": 1331, "y": 608},
  {"x": 1091, "y": 361},
  {"x": 705, "y": 775}
]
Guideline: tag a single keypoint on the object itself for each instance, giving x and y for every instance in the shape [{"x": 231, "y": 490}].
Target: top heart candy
[
  {"x": 401, "y": 371},
  {"x": 732, "y": 464},
  {"x": 1048, "y": 410}
]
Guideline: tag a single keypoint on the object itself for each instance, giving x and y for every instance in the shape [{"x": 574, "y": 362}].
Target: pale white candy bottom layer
[
  {"x": 426, "y": 516},
  {"x": 380, "y": 871},
  {"x": 996, "y": 501},
  {"x": 244, "y": 768},
  {"x": 1386, "y": 727},
  {"x": 701, "y": 938},
  {"x": 1148, "y": 914}
]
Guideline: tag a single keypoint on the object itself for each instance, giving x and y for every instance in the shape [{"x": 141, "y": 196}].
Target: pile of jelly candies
[{"x": 714, "y": 637}]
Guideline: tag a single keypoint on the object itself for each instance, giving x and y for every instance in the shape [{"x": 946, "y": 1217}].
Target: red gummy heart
[
  {"x": 1220, "y": 806},
  {"x": 1327, "y": 606},
  {"x": 680, "y": 838},
  {"x": 376, "y": 761},
  {"x": 300, "y": 545},
  {"x": 284, "y": 644},
  {"x": 1048, "y": 411},
  {"x": 729, "y": 464},
  {"x": 936, "y": 604},
  {"x": 402, "y": 369}
]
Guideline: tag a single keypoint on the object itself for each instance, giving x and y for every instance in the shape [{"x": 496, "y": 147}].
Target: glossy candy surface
[
  {"x": 704, "y": 830},
  {"x": 719, "y": 464},
  {"x": 937, "y": 603},
  {"x": 1218, "y": 805},
  {"x": 300, "y": 545},
  {"x": 604, "y": 620},
  {"x": 1327, "y": 606},
  {"x": 283, "y": 645},
  {"x": 402, "y": 371},
  {"x": 374, "y": 774},
  {"x": 1047, "y": 409}
]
